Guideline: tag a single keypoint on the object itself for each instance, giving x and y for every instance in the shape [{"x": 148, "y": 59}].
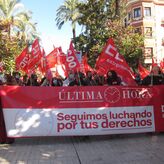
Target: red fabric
[
  {"x": 154, "y": 62},
  {"x": 51, "y": 58},
  {"x": 142, "y": 71},
  {"x": 70, "y": 101},
  {"x": 72, "y": 97},
  {"x": 72, "y": 62},
  {"x": 35, "y": 56},
  {"x": 158, "y": 103},
  {"x": 43, "y": 62},
  {"x": 85, "y": 66},
  {"x": 110, "y": 59},
  {"x": 162, "y": 65},
  {"x": 22, "y": 60}
]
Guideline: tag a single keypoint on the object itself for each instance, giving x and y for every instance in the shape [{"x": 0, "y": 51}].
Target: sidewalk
[{"x": 111, "y": 149}]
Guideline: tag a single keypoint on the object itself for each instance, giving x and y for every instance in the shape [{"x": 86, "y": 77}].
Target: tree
[
  {"x": 128, "y": 43},
  {"x": 102, "y": 21},
  {"x": 13, "y": 13},
  {"x": 14, "y": 20},
  {"x": 94, "y": 15},
  {"x": 68, "y": 12}
]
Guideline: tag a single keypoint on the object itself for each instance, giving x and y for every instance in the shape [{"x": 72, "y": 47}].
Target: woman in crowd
[
  {"x": 112, "y": 78},
  {"x": 33, "y": 80},
  {"x": 89, "y": 81}
]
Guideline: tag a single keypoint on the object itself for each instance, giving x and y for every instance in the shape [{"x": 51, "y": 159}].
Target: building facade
[{"x": 147, "y": 17}]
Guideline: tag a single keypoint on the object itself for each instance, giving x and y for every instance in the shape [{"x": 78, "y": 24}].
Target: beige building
[{"x": 147, "y": 16}]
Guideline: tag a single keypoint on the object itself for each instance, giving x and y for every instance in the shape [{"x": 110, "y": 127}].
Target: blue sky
[{"x": 44, "y": 14}]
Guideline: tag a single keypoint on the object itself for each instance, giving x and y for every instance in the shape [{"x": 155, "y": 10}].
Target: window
[
  {"x": 138, "y": 30},
  {"x": 147, "y": 11},
  {"x": 148, "y": 31},
  {"x": 137, "y": 12},
  {"x": 148, "y": 52}
]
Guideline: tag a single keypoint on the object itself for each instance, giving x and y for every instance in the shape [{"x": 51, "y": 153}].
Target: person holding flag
[
  {"x": 154, "y": 78},
  {"x": 110, "y": 58},
  {"x": 112, "y": 78}
]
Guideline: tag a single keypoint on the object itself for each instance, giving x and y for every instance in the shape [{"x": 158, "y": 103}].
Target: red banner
[{"x": 97, "y": 110}]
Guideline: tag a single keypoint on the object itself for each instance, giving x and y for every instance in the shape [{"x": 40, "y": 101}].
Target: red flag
[
  {"x": 54, "y": 61},
  {"x": 154, "y": 62},
  {"x": 43, "y": 62},
  {"x": 51, "y": 58},
  {"x": 162, "y": 65},
  {"x": 61, "y": 57},
  {"x": 22, "y": 60},
  {"x": 60, "y": 67},
  {"x": 111, "y": 59},
  {"x": 35, "y": 55},
  {"x": 85, "y": 66},
  {"x": 72, "y": 62},
  {"x": 142, "y": 71}
]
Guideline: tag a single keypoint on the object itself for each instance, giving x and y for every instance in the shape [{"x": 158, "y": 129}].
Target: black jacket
[{"x": 153, "y": 80}]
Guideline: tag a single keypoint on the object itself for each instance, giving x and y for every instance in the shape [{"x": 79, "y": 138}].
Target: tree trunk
[
  {"x": 117, "y": 9},
  {"x": 74, "y": 36}
]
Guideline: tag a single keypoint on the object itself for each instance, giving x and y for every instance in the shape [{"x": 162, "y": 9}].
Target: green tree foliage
[
  {"x": 10, "y": 47},
  {"x": 68, "y": 12},
  {"x": 16, "y": 31},
  {"x": 102, "y": 20},
  {"x": 127, "y": 41}
]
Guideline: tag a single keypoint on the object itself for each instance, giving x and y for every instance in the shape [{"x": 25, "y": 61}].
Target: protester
[
  {"x": 89, "y": 79},
  {"x": 17, "y": 76},
  {"x": 45, "y": 81},
  {"x": 79, "y": 79},
  {"x": 10, "y": 80},
  {"x": 56, "y": 81},
  {"x": 154, "y": 78},
  {"x": 138, "y": 78},
  {"x": 32, "y": 81},
  {"x": 25, "y": 80},
  {"x": 70, "y": 79},
  {"x": 112, "y": 78},
  {"x": 99, "y": 79}
]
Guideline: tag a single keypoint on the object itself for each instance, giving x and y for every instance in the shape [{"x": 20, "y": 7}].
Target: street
[{"x": 146, "y": 148}]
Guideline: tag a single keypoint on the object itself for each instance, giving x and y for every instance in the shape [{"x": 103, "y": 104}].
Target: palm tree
[
  {"x": 16, "y": 30},
  {"x": 68, "y": 12},
  {"x": 27, "y": 31},
  {"x": 14, "y": 16}
]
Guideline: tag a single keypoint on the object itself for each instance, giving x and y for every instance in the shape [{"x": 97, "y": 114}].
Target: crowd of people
[{"x": 156, "y": 77}]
